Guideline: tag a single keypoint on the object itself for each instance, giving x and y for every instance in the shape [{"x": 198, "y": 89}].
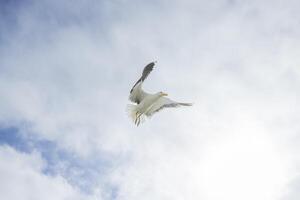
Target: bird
[{"x": 146, "y": 104}]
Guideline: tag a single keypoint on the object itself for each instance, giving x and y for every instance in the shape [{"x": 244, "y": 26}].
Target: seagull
[{"x": 147, "y": 104}]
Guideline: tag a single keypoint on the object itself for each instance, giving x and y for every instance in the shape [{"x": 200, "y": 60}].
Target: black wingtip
[{"x": 151, "y": 64}]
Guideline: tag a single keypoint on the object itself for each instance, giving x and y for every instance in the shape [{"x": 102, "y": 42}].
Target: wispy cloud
[
  {"x": 66, "y": 70},
  {"x": 22, "y": 178}
]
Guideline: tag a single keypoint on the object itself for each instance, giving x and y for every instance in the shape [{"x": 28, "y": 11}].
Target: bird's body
[{"x": 148, "y": 104}]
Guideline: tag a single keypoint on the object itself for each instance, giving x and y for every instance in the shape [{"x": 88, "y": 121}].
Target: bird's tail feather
[
  {"x": 131, "y": 111},
  {"x": 134, "y": 115}
]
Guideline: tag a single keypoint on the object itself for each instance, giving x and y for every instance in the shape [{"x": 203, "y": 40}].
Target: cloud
[
  {"x": 67, "y": 68},
  {"x": 22, "y": 178}
]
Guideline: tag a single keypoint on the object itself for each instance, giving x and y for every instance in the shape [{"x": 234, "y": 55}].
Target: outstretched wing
[
  {"x": 145, "y": 74},
  {"x": 162, "y": 103},
  {"x": 136, "y": 93}
]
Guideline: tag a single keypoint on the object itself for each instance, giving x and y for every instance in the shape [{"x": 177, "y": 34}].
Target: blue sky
[{"x": 66, "y": 68}]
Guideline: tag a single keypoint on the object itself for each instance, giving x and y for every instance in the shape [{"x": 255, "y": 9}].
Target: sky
[{"x": 66, "y": 69}]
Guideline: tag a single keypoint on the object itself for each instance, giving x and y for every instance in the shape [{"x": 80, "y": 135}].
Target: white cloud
[
  {"x": 68, "y": 77},
  {"x": 22, "y": 178}
]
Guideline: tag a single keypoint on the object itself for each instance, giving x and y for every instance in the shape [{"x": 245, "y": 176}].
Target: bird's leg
[
  {"x": 139, "y": 122},
  {"x": 139, "y": 119},
  {"x": 136, "y": 117},
  {"x": 140, "y": 115}
]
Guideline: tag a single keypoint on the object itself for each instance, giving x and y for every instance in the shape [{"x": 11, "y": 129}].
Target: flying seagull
[{"x": 147, "y": 104}]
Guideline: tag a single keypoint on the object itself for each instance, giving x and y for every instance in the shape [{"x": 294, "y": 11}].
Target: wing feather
[
  {"x": 136, "y": 93},
  {"x": 162, "y": 103}
]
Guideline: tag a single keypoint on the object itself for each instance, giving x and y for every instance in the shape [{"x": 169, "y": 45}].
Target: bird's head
[{"x": 162, "y": 94}]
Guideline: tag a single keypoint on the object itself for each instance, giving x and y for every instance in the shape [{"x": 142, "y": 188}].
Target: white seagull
[{"x": 148, "y": 104}]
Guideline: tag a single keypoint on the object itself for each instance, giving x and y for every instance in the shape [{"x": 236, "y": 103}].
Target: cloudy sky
[{"x": 66, "y": 68}]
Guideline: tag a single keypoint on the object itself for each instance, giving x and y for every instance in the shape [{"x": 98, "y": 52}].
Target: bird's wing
[
  {"x": 136, "y": 93},
  {"x": 162, "y": 103}
]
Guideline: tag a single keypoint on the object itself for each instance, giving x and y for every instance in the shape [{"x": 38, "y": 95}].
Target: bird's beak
[{"x": 164, "y": 94}]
